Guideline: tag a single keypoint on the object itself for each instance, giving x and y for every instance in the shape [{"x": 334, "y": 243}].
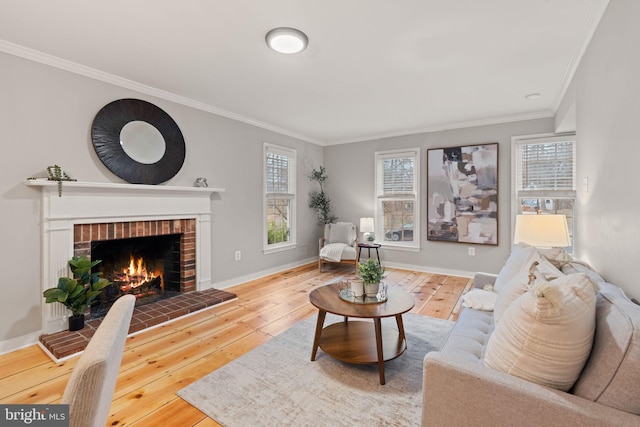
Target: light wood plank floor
[{"x": 161, "y": 361}]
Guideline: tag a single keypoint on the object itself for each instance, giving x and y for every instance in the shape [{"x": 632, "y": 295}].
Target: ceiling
[{"x": 373, "y": 68}]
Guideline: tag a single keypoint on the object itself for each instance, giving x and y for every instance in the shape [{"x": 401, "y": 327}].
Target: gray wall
[
  {"x": 45, "y": 118},
  {"x": 351, "y": 184},
  {"x": 606, "y": 93}
]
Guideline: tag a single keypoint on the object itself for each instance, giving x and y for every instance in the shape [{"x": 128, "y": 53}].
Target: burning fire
[{"x": 135, "y": 274}]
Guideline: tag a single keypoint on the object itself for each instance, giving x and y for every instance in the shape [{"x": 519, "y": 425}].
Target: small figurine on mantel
[{"x": 201, "y": 182}]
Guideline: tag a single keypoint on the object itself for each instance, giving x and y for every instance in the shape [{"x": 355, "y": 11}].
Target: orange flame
[{"x": 136, "y": 274}]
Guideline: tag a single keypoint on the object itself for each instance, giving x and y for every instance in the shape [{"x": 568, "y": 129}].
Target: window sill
[
  {"x": 396, "y": 247},
  {"x": 280, "y": 248}
]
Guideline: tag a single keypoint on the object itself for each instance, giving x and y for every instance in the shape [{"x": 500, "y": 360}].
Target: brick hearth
[{"x": 65, "y": 343}]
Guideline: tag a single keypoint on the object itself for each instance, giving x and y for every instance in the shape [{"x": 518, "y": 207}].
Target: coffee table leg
[
  {"x": 400, "y": 327},
  {"x": 316, "y": 339},
  {"x": 378, "y": 326}
]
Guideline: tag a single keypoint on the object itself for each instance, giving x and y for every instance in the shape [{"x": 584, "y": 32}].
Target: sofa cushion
[
  {"x": 581, "y": 267},
  {"x": 612, "y": 374},
  {"x": 469, "y": 336},
  {"x": 545, "y": 335},
  {"x": 521, "y": 258}
]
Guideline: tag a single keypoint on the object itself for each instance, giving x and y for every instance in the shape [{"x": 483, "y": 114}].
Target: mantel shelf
[{"x": 98, "y": 186}]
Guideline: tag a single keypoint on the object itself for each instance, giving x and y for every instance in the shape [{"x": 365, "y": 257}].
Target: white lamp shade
[
  {"x": 366, "y": 225},
  {"x": 542, "y": 230}
]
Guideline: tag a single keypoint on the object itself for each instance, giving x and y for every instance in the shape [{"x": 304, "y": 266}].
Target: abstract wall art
[{"x": 462, "y": 194}]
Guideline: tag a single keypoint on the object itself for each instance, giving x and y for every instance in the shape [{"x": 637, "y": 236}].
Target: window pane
[
  {"x": 278, "y": 221},
  {"x": 547, "y": 166},
  {"x": 277, "y": 173},
  {"x": 398, "y": 220},
  {"x": 397, "y": 176}
]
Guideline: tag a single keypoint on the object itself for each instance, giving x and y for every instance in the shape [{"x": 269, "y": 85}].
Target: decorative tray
[{"x": 348, "y": 296}]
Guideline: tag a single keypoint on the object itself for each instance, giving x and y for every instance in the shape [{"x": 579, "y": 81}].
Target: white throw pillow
[
  {"x": 519, "y": 284},
  {"x": 522, "y": 255},
  {"x": 513, "y": 289},
  {"x": 545, "y": 335},
  {"x": 479, "y": 299},
  {"x": 341, "y": 232},
  {"x": 521, "y": 258}
]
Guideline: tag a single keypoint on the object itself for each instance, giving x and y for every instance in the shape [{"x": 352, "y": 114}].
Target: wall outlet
[
  {"x": 238, "y": 255},
  {"x": 472, "y": 251}
]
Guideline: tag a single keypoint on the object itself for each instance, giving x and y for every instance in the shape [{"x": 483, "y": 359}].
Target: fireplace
[
  {"x": 146, "y": 267},
  {"x": 152, "y": 260},
  {"x": 88, "y": 213}
]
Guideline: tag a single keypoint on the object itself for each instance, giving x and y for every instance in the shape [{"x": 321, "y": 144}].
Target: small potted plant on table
[
  {"x": 77, "y": 293},
  {"x": 371, "y": 273}
]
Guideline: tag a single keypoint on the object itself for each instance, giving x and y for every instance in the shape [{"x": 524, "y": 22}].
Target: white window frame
[
  {"x": 516, "y": 193},
  {"x": 380, "y": 156},
  {"x": 291, "y": 195}
]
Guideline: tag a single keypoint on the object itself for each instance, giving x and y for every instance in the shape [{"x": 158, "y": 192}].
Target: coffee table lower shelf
[{"x": 355, "y": 342}]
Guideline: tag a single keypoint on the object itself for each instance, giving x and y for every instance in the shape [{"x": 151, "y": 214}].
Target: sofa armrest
[
  {"x": 482, "y": 279},
  {"x": 463, "y": 392}
]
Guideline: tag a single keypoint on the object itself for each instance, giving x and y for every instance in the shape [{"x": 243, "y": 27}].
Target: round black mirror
[{"x": 138, "y": 141}]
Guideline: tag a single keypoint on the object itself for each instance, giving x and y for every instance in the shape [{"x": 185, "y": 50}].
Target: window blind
[
  {"x": 398, "y": 177},
  {"x": 546, "y": 166}
]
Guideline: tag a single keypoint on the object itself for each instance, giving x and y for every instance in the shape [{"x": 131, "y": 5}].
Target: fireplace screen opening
[{"x": 146, "y": 267}]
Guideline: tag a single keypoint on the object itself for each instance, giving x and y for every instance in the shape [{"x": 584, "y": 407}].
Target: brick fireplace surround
[{"x": 84, "y": 234}]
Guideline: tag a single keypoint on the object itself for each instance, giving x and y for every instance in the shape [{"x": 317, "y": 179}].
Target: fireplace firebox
[{"x": 146, "y": 267}]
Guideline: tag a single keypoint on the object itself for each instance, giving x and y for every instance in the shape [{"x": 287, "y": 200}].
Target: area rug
[{"x": 277, "y": 384}]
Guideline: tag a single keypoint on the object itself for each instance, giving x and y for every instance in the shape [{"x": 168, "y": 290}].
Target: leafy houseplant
[
  {"x": 77, "y": 293},
  {"x": 319, "y": 200},
  {"x": 371, "y": 273}
]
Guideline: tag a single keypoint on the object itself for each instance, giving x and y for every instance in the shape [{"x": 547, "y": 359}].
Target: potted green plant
[
  {"x": 77, "y": 293},
  {"x": 371, "y": 273}
]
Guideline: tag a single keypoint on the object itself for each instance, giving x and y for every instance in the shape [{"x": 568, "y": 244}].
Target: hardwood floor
[{"x": 161, "y": 361}]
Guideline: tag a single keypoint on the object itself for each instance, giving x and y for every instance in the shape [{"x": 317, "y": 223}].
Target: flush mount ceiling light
[
  {"x": 532, "y": 96},
  {"x": 286, "y": 40}
]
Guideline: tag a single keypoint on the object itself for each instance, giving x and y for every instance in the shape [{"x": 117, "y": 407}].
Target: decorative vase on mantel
[{"x": 76, "y": 322}]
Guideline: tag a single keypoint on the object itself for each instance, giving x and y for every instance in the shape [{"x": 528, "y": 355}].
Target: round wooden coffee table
[{"x": 360, "y": 342}]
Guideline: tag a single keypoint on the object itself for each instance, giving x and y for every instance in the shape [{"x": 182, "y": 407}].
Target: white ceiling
[{"x": 373, "y": 68}]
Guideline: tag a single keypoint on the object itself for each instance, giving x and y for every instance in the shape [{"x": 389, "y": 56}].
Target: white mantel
[{"x": 92, "y": 202}]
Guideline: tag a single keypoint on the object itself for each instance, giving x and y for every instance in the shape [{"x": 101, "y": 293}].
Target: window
[
  {"x": 397, "y": 203},
  {"x": 280, "y": 195},
  {"x": 545, "y": 177}
]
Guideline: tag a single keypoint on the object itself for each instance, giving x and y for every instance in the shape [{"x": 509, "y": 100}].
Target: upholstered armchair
[
  {"x": 339, "y": 244},
  {"x": 89, "y": 391}
]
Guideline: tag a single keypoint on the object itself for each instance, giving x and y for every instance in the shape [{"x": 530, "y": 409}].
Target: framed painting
[{"x": 462, "y": 194}]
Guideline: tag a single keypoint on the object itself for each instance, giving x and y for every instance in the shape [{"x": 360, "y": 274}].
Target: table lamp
[
  {"x": 542, "y": 230},
  {"x": 367, "y": 227}
]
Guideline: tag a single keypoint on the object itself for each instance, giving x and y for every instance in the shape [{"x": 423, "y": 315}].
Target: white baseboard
[
  {"x": 238, "y": 280},
  {"x": 17, "y": 343},
  {"x": 430, "y": 269}
]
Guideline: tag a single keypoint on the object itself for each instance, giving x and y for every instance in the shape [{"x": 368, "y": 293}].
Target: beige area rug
[{"x": 276, "y": 384}]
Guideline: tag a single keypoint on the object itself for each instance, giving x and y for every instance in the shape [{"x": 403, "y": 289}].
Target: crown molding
[
  {"x": 73, "y": 67},
  {"x": 544, "y": 114},
  {"x": 589, "y": 27}
]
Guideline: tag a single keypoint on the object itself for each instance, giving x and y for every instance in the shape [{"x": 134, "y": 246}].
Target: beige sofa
[{"x": 459, "y": 390}]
